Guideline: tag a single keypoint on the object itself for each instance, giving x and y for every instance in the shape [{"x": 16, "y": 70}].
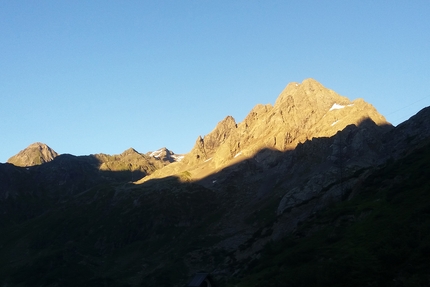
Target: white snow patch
[
  {"x": 336, "y": 107},
  {"x": 214, "y": 181},
  {"x": 178, "y": 157},
  {"x": 238, "y": 154},
  {"x": 334, "y": 123},
  {"x": 208, "y": 159},
  {"x": 156, "y": 153}
]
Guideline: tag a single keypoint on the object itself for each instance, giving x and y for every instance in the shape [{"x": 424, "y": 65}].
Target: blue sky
[{"x": 90, "y": 77}]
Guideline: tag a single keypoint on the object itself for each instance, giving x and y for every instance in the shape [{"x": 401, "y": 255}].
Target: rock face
[
  {"x": 205, "y": 148},
  {"x": 34, "y": 154},
  {"x": 301, "y": 112}
]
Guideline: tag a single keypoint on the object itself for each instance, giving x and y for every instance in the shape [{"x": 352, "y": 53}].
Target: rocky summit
[
  {"x": 34, "y": 154},
  {"x": 315, "y": 190},
  {"x": 300, "y": 113}
]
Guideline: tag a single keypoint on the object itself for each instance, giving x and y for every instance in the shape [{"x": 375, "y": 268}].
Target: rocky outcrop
[
  {"x": 35, "y": 154},
  {"x": 206, "y": 147}
]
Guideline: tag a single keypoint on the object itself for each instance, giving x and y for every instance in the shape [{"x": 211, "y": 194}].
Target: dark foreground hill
[
  {"x": 379, "y": 238},
  {"x": 125, "y": 235},
  {"x": 347, "y": 208}
]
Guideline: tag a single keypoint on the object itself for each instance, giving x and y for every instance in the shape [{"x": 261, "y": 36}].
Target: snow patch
[
  {"x": 178, "y": 157},
  {"x": 156, "y": 153},
  {"x": 238, "y": 154},
  {"x": 334, "y": 123},
  {"x": 208, "y": 159},
  {"x": 336, "y": 107}
]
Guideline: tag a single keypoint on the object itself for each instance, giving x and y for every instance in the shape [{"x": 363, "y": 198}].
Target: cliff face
[{"x": 205, "y": 148}]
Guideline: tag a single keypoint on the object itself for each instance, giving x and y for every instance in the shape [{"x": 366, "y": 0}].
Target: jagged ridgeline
[
  {"x": 301, "y": 112},
  {"x": 130, "y": 164},
  {"x": 314, "y": 190}
]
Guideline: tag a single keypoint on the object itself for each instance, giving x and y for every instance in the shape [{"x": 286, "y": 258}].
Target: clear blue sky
[{"x": 102, "y": 76}]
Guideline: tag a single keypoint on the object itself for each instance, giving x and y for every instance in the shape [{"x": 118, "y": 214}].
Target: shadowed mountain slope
[{"x": 381, "y": 237}]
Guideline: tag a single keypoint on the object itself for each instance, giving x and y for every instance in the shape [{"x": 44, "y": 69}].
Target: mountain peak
[
  {"x": 206, "y": 147},
  {"x": 301, "y": 112},
  {"x": 165, "y": 155},
  {"x": 307, "y": 84},
  {"x": 35, "y": 154},
  {"x": 130, "y": 151},
  {"x": 308, "y": 92}
]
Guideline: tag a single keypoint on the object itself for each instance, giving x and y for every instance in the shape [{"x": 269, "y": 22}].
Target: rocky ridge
[
  {"x": 301, "y": 112},
  {"x": 73, "y": 174}
]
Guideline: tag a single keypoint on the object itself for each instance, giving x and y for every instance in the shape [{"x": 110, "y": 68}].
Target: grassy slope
[{"x": 380, "y": 238}]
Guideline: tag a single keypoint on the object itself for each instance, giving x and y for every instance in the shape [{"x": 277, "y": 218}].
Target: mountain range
[{"x": 296, "y": 193}]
